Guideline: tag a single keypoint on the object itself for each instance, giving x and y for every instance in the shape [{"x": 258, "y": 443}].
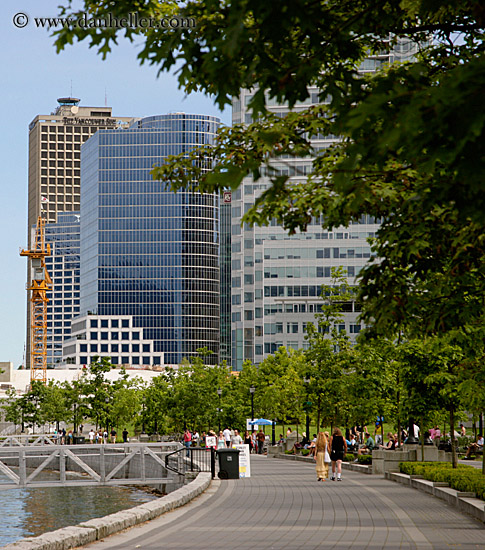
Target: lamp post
[
  {"x": 219, "y": 393},
  {"x": 306, "y": 381},
  {"x": 252, "y": 389}
]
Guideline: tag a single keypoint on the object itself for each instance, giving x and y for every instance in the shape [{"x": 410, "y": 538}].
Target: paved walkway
[{"x": 283, "y": 507}]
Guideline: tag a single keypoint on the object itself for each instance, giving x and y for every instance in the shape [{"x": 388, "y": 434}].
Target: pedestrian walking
[
  {"x": 113, "y": 435},
  {"x": 227, "y": 437},
  {"x": 236, "y": 439},
  {"x": 187, "y": 440},
  {"x": 125, "y": 435},
  {"x": 321, "y": 456},
  {"x": 260, "y": 437},
  {"x": 338, "y": 447}
]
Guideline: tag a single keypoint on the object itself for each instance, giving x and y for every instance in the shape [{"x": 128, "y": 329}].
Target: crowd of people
[{"x": 225, "y": 439}]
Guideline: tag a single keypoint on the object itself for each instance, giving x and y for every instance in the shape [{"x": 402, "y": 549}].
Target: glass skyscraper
[
  {"x": 146, "y": 251},
  {"x": 63, "y": 266}
]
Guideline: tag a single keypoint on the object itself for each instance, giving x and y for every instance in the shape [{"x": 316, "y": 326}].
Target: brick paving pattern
[{"x": 283, "y": 507}]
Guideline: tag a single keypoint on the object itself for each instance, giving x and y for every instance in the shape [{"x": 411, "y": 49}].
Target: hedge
[{"x": 464, "y": 478}]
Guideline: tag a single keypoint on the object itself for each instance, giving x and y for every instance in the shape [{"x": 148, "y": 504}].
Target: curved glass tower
[{"x": 146, "y": 251}]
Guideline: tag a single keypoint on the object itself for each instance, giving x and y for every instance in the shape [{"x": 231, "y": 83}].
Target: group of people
[
  {"x": 329, "y": 450},
  {"x": 101, "y": 436},
  {"x": 226, "y": 439}
]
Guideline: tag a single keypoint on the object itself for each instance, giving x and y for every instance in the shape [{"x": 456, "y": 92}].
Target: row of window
[
  {"x": 124, "y": 360},
  {"x": 124, "y": 348}
]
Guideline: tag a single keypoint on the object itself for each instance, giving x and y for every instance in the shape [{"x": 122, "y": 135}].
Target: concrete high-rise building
[
  {"x": 147, "y": 252},
  {"x": 277, "y": 278},
  {"x": 55, "y": 156},
  {"x": 55, "y": 169}
]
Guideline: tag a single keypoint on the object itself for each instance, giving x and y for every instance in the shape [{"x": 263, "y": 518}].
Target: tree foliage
[{"x": 411, "y": 134}]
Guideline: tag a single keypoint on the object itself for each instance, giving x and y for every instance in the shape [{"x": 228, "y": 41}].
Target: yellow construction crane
[{"x": 40, "y": 284}]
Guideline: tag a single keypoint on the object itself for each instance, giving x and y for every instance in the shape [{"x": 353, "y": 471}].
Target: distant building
[
  {"x": 276, "y": 278},
  {"x": 109, "y": 336},
  {"x": 147, "y": 252},
  {"x": 63, "y": 266},
  {"x": 55, "y": 170}
]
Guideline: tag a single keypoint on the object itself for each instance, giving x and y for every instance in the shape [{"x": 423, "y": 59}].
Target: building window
[
  {"x": 125, "y": 323},
  {"x": 125, "y": 335},
  {"x": 83, "y": 348},
  {"x": 114, "y": 336},
  {"x": 135, "y": 360},
  {"x": 146, "y": 360},
  {"x": 94, "y": 348},
  {"x": 104, "y": 336},
  {"x": 114, "y": 323},
  {"x": 114, "y": 347},
  {"x": 104, "y": 348},
  {"x": 94, "y": 323},
  {"x": 135, "y": 336},
  {"x": 135, "y": 348},
  {"x": 146, "y": 348},
  {"x": 104, "y": 323},
  {"x": 93, "y": 335},
  {"x": 125, "y": 348}
]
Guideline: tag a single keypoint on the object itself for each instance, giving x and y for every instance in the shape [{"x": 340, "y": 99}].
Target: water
[{"x": 32, "y": 512}]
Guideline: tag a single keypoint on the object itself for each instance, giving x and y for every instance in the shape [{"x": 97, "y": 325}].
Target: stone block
[
  {"x": 423, "y": 485},
  {"x": 473, "y": 506}
]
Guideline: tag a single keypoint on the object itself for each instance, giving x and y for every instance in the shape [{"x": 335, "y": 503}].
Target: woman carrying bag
[{"x": 322, "y": 457}]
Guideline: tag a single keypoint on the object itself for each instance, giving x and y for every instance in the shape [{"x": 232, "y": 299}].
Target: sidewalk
[{"x": 283, "y": 507}]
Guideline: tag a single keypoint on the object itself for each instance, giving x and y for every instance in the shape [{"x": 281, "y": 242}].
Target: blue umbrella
[{"x": 262, "y": 422}]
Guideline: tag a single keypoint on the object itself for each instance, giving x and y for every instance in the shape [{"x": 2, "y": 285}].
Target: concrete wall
[{"x": 388, "y": 461}]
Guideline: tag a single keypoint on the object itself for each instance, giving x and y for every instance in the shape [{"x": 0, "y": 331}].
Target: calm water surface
[{"x": 32, "y": 512}]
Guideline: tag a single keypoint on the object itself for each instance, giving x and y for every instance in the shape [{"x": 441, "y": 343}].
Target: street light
[
  {"x": 306, "y": 381},
  {"x": 219, "y": 393},
  {"x": 252, "y": 389}
]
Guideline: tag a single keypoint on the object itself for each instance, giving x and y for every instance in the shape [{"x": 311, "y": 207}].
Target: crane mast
[{"x": 40, "y": 284}]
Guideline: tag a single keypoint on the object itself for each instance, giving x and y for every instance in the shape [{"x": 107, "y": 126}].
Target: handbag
[{"x": 326, "y": 458}]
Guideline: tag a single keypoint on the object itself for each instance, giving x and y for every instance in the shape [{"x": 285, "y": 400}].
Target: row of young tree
[{"x": 336, "y": 383}]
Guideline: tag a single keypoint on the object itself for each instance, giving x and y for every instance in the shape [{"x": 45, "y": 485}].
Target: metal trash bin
[
  {"x": 78, "y": 439},
  {"x": 228, "y": 463}
]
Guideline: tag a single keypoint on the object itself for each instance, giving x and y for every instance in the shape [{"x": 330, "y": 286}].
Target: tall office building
[
  {"x": 55, "y": 170},
  {"x": 277, "y": 278},
  {"x": 55, "y": 156},
  {"x": 147, "y": 252},
  {"x": 225, "y": 279}
]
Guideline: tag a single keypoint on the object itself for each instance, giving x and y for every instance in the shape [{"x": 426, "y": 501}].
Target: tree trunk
[{"x": 454, "y": 461}]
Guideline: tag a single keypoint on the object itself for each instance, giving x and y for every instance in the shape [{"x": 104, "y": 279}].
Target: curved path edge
[
  {"x": 99, "y": 528},
  {"x": 465, "y": 502}
]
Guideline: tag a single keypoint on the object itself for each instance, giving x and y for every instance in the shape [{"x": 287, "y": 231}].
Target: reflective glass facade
[
  {"x": 146, "y": 251},
  {"x": 63, "y": 266}
]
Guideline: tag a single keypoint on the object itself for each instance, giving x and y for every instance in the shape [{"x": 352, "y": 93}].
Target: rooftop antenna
[{"x": 71, "y": 88}]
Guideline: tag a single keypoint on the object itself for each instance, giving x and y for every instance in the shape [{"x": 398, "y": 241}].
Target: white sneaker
[{"x": 333, "y": 478}]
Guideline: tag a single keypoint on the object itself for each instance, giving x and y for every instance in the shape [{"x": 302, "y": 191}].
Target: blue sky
[{"x": 33, "y": 77}]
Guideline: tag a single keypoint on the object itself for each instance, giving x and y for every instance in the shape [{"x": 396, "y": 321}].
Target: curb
[
  {"x": 99, "y": 528},
  {"x": 465, "y": 502}
]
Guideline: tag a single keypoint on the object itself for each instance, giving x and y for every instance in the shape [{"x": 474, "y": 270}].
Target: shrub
[
  {"x": 364, "y": 459},
  {"x": 305, "y": 452},
  {"x": 464, "y": 478},
  {"x": 349, "y": 457}
]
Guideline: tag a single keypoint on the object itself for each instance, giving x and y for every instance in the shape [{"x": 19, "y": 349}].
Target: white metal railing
[{"x": 77, "y": 465}]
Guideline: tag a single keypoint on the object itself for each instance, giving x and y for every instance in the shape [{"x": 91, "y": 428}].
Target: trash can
[
  {"x": 228, "y": 463},
  {"x": 78, "y": 439}
]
